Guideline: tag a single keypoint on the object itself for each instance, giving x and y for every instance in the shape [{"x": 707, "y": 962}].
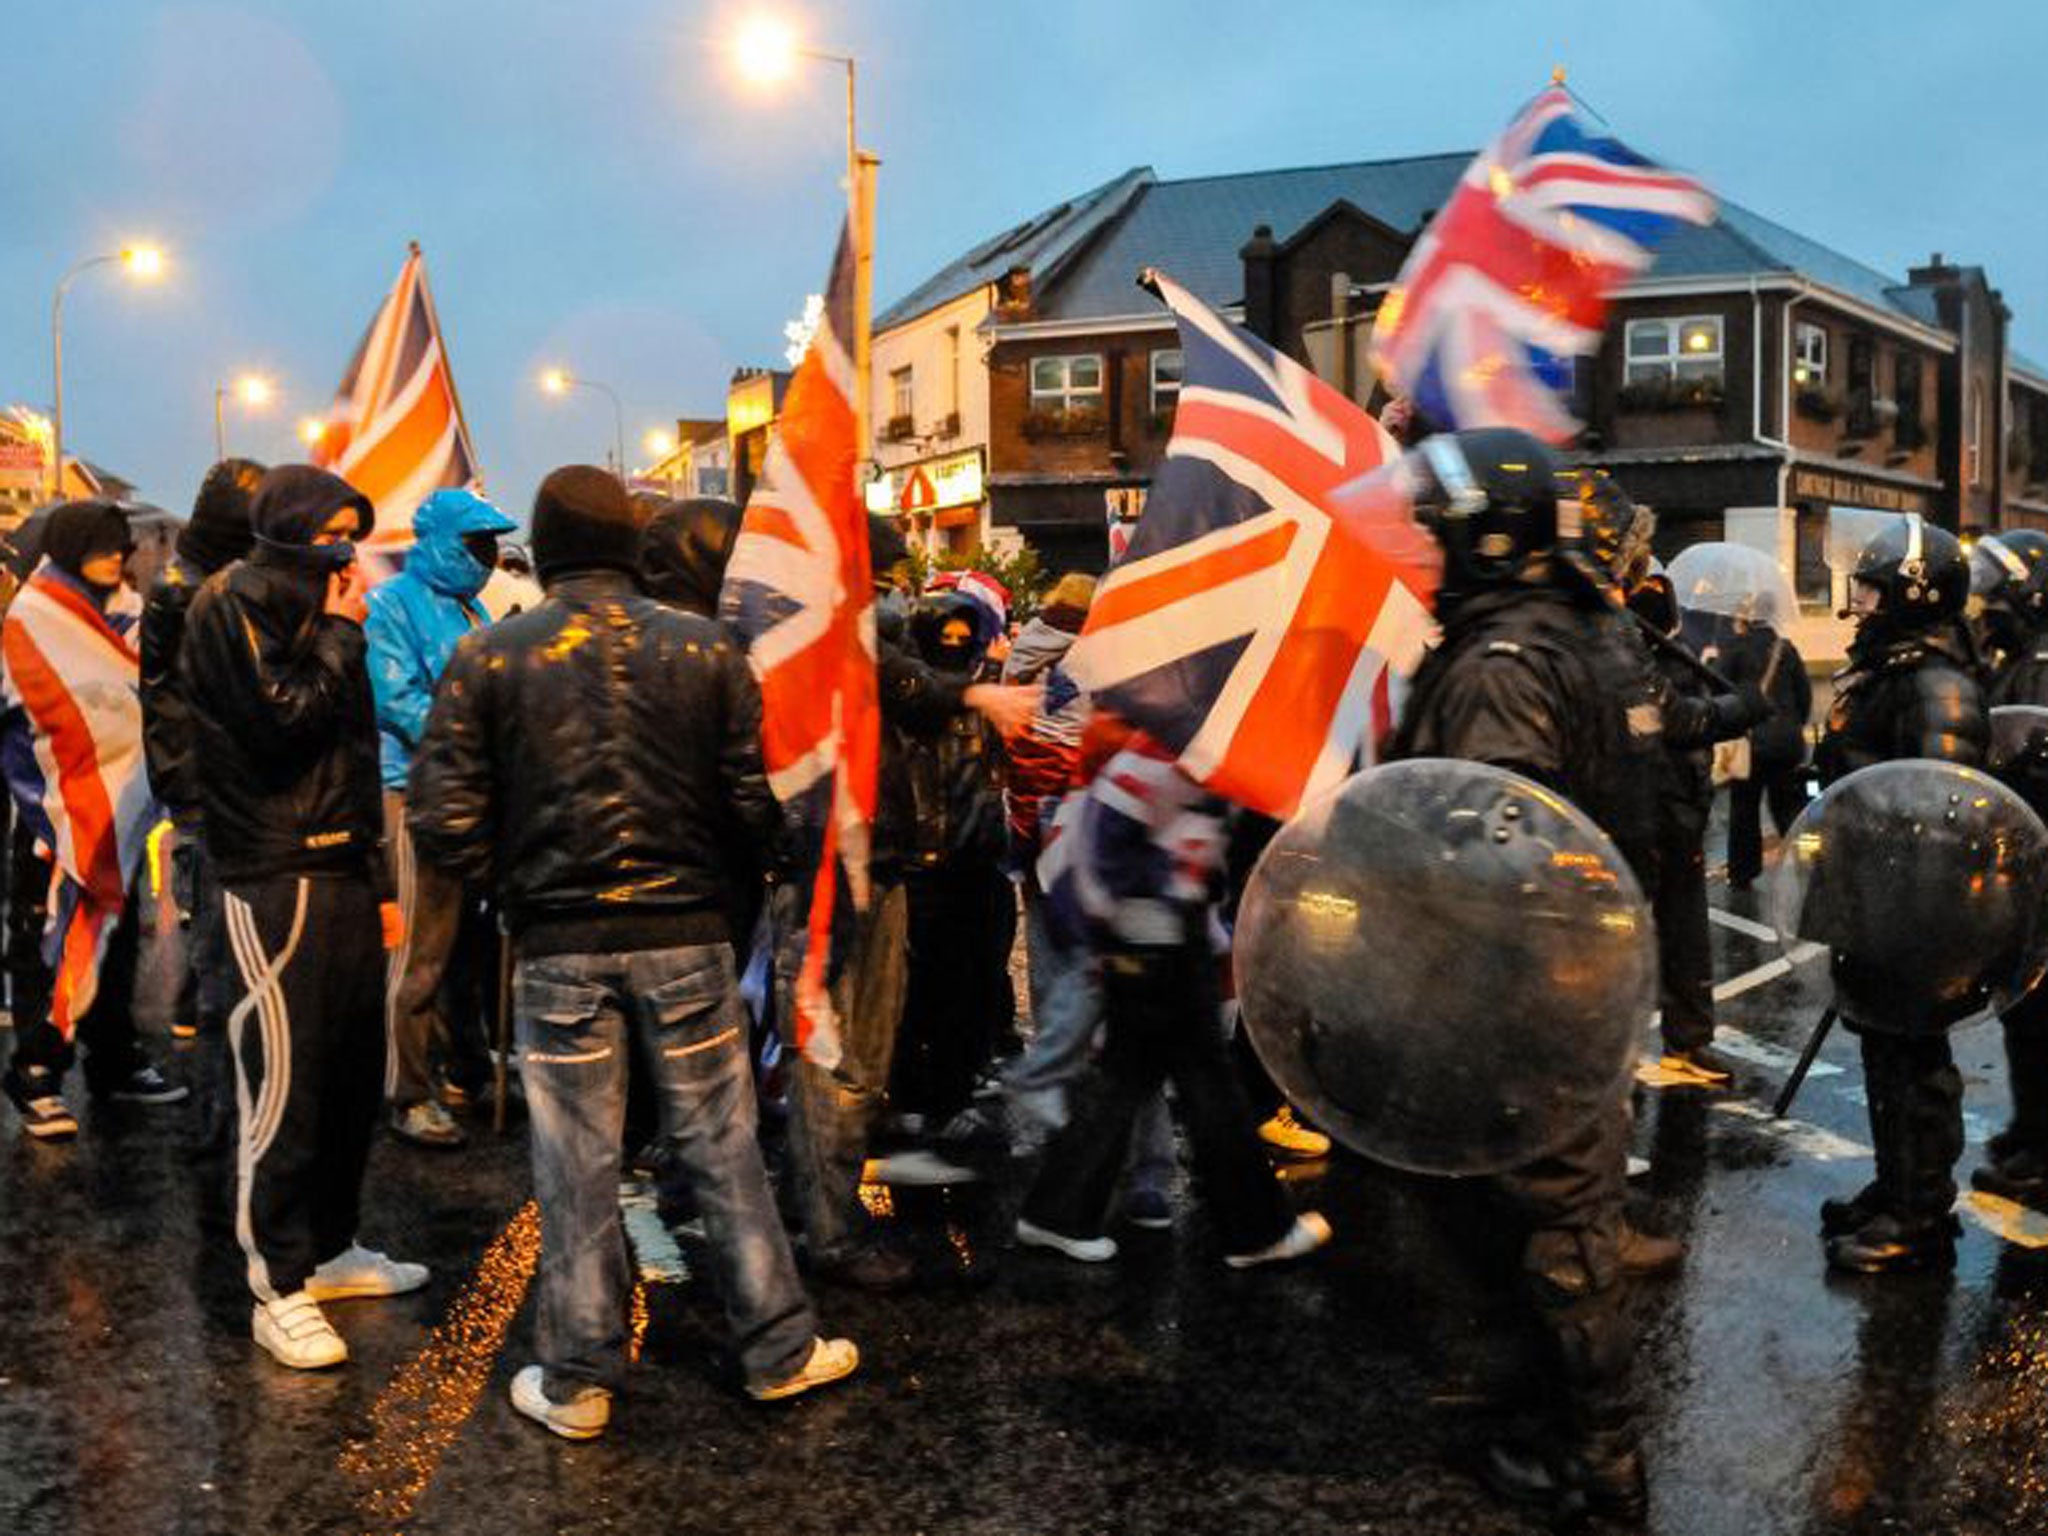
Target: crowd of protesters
[
  {"x": 393, "y": 810},
  {"x": 510, "y": 804}
]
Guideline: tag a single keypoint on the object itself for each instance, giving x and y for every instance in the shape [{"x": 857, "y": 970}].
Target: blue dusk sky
[{"x": 595, "y": 188}]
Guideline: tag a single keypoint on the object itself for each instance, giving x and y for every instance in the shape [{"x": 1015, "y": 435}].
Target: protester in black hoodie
[
  {"x": 684, "y": 549},
  {"x": 217, "y": 536},
  {"x": 284, "y": 751}
]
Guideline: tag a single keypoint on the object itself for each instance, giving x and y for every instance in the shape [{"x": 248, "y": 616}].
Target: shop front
[{"x": 941, "y": 500}]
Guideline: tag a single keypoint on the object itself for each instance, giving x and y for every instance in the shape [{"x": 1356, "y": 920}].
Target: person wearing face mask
[
  {"x": 285, "y": 753},
  {"x": 415, "y": 621},
  {"x": 73, "y": 752}
]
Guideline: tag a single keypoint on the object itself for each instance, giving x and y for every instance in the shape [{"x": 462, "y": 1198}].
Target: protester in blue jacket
[{"x": 415, "y": 621}]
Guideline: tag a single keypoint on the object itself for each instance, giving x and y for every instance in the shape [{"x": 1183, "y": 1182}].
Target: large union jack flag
[
  {"x": 1510, "y": 281},
  {"x": 799, "y": 594},
  {"x": 395, "y": 431},
  {"x": 1249, "y": 626}
]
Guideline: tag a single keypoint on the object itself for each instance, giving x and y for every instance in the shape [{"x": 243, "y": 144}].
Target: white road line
[
  {"x": 1762, "y": 1053},
  {"x": 661, "y": 1261},
  {"x": 1770, "y": 970},
  {"x": 1755, "y": 930},
  {"x": 1814, "y": 1141},
  {"x": 1976, "y": 1129}
]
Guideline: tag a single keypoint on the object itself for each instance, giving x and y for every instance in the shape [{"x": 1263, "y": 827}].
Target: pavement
[{"x": 1158, "y": 1394}]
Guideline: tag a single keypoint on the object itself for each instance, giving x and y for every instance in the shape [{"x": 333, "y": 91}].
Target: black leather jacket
[
  {"x": 283, "y": 728},
  {"x": 1904, "y": 695},
  {"x": 597, "y": 761}
]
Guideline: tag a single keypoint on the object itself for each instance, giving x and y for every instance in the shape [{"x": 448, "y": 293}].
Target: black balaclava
[
  {"x": 292, "y": 504},
  {"x": 79, "y": 530},
  {"x": 219, "y": 533},
  {"x": 943, "y": 629},
  {"x": 684, "y": 549}
]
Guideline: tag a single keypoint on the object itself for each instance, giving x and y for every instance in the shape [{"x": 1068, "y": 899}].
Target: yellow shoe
[{"x": 1290, "y": 1138}]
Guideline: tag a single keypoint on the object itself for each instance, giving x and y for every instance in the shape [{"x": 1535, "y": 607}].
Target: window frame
[
  {"x": 1804, "y": 331},
  {"x": 1173, "y": 390},
  {"x": 1663, "y": 366},
  {"x": 903, "y": 392},
  {"x": 1067, "y": 398}
]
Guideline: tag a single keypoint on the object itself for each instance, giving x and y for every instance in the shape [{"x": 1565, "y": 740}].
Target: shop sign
[
  {"x": 953, "y": 481},
  {"x": 1853, "y": 491}
]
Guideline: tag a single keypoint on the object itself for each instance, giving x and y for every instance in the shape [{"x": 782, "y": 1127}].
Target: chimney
[
  {"x": 1261, "y": 285},
  {"x": 1013, "y": 295}
]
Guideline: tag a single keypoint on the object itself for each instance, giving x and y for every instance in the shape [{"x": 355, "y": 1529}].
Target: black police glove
[{"x": 1741, "y": 710}]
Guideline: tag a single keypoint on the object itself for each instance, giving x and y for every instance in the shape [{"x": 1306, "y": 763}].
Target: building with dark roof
[{"x": 1751, "y": 380}]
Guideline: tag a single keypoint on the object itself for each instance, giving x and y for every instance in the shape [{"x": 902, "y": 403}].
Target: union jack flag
[
  {"x": 395, "y": 430},
  {"x": 799, "y": 594},
  {"x": 1250, "y": 625},
  {"x": 74, "y": 761},
  {"x": 1511, "y": 279}
]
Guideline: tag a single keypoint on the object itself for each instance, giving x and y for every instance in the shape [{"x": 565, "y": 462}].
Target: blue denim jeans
[{"x": 578, "y": 1017}]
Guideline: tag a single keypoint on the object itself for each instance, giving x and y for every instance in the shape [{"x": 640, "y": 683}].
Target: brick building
[{"x": 1750, "y": 382}]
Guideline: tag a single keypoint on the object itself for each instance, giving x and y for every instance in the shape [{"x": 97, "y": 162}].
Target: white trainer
[
  {"x": 583, "y": 1417},
  {"x": 297, "y": 1333},
  {"x": 361, "y": 1271},
  {"x": 1082, "y": 1250},
  {"x": 1309, "y": 1232}
]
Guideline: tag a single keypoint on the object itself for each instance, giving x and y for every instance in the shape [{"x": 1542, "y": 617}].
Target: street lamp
[
  {"x": 311, "y": 430},
  {"x": 661, "y": 447},
  {"x": 765, "y": 51},
  {"x": 144, "y": 263},
  {"x": 559, "y": 381},
  {"x": 252, "y": 390}
]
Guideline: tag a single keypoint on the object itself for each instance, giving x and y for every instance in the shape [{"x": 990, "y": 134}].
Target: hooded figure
[
  {"x": 417, "y": 618},
  {"x": 684, "y": 550},
  {"x": 80, "y": 534}
]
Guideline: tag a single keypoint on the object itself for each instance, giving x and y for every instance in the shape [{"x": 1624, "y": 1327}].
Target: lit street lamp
[
  {"x": 660, "y": 447},
  {"x": 559, "y": 381},
  {"x": 765, "y": 51},
  {"x": 311, "y": 430},
  {"x": 253, "y": 391},
  {"x": 142, "y": 262}
]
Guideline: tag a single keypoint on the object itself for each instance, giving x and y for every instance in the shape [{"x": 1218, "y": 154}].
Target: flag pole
[
  {"x": 412, "y": 248},
  {"x": 860, "y": 207}
]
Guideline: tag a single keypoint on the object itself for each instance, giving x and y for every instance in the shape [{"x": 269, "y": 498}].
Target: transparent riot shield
[
  {"x": 1925, "y": 881},
  {"x": 1447, "y": 965}
]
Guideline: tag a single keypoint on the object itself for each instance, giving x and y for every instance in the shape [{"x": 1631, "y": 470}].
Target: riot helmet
[
  {"x": 2010, "y": 572},
  {"x": 1489, "y": 498},
  {"x": 1613, "y": 532},
  {"x": 1917, "y": 571}
]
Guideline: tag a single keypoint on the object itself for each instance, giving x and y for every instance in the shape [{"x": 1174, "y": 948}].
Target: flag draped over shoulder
[
  {"x": 799, "y": 594},
  {"x": 1248, "y": 628},
  {"x": 395, "y": 431},
  {"x": 1510, "y": 281},
  {"x": 75, "y": 764}
]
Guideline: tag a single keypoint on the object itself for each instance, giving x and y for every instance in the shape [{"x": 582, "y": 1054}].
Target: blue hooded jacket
[{"x": 419, "y": 616}]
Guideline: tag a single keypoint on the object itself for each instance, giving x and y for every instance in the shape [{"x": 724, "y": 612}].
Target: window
[
  {"x": 1809, "y": 355},
  {"x": 900, "y": 393},
  {"x": 1166, "y": 369},
  {"x": 1071, "y": 384},
  {"x": 1862, "y": 387},
  {"x": 1908, "y": 433},
  {"x": 1661, "y": 351}
]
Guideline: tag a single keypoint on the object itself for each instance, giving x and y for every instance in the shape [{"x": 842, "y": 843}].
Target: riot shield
[
  {"x": 1925, "y": 881},
  {"x": 2019, "y": 737},
  {"x": 1733, "y": 581},
  {"x": 1446, "y": 965}
]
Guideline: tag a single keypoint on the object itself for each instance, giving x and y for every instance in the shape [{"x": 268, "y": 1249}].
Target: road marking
[
  {"x": 1814, "y": 1141},
  {"x": 660, "y": 1261},
  {"x": 1762, "y": 1053},
  {"x": 1770, "y": 970},
  {"x": 2006, "y": 1220},
  {"x": 1976, "y": 1129},
  {"x": 1760, "y": 931}
]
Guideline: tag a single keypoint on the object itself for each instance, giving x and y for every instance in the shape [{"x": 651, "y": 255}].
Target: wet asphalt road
[{"x": 1159, "y": 1394}]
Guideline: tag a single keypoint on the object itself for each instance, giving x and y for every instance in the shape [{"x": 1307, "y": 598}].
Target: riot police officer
[
  {"x": 1908, "y": 691},
  {"x": 1513, "y": 683},
  {"x": 2010, "y": 572}
]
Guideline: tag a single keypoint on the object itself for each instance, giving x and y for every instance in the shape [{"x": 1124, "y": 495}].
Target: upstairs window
[
  {"x": 1166, "y": 371},
  {"x": 1908, "y": 431},
  {"x": 1668, "y": 351},
  {"x": 1069, "y": 384},
  {"x": 901, "y": 392},
  {"x": 1809, "y": 355}
]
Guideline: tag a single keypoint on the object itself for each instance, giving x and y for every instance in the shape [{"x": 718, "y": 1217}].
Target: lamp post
[
  {"x": 559, "y": 381},
  {"x": 767, "y": 50},
  {"x": 143, "y": 262},
  {"x": 252, "y": 390}
]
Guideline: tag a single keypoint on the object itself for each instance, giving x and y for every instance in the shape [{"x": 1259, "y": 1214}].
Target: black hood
[
  {"x": 683, "y": 552},
  {"x": 293, "y": 503},
  {"x": 79, "y": 530},
  {"x": 583, "y": 520},
  {"x": 219, "y": 532}
]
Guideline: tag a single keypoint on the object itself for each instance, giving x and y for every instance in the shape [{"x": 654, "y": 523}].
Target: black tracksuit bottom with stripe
[{"x": 308, "y": 1038}]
